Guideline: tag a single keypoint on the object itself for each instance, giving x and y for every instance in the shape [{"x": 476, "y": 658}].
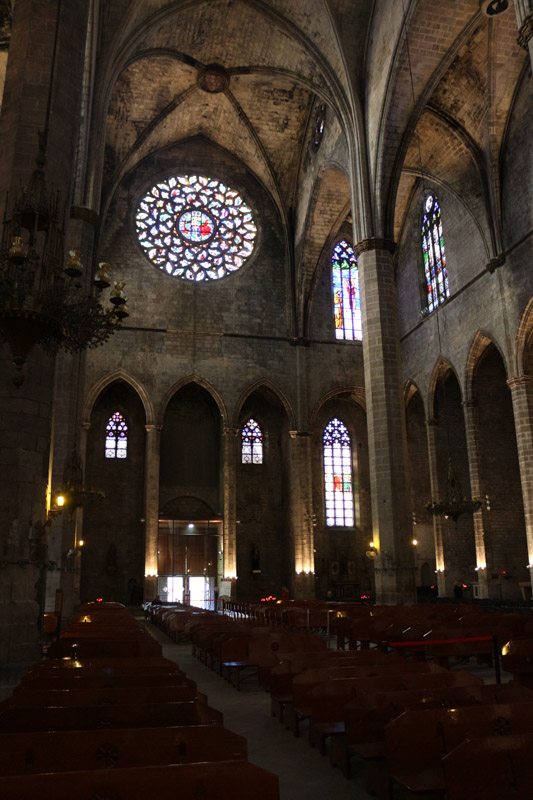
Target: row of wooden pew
[
  {"x": 105, "y": 715},
  {"x": 398, "y": 710}
]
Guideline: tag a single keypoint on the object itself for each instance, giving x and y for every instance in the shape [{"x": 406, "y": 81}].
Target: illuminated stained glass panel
[
  {"x": 434, "y": 255},
  {"x": 195, "y": 228},
  {"x": 252, "y": 443},
  {"x": 338, "y": 483},
  {"x": 346, "y": 294},
  {"x": 116, "y": 438}
]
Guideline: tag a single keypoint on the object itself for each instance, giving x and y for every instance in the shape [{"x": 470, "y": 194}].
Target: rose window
[{"x": 195, "y": 228}]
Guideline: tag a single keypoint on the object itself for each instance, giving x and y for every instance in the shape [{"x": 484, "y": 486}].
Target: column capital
[
  {"x": 85, "y": 424},
  {"x": 151, "y": 428},
  {"x": 432, "y": 422},
  {"x": 526, "y": 32},
  {"x": 229, "y": 432},
  {"x": 374, "y": 244},
  {"x": 86, "y": 214},
  {"x": 299, "y": 435},
  {"x": 470, "y": 403},
  {"x": 518, "y": 380}
]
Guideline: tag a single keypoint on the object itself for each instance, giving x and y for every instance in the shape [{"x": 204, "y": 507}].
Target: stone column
[
  {"x": 302, "y": 514},
  {"x": 387, "y": 441},
  {"x": 440, "y": 562},
  {"x": 26, "y": 412},
  {"x": 521, "y": 393},
  {"x": 475, "y": 490},
  {"x": 151, "y": 508},
  {"x": 231, "y": 437},
  {"x": 524, "y": 18}
]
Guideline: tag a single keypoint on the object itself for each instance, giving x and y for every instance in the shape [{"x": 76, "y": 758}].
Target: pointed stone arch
[
  {"x": 356, "y": 394},
  {"x": 441, "y": 369},
  {"x": 118, "y": 375},
  {"x": 409, "y": 390},
  {"x": 265, "y": 383},
  {"x": 480, "y": 343},
  {"x": 193, "y": 378},
  {"x": 523, "y": 335}
]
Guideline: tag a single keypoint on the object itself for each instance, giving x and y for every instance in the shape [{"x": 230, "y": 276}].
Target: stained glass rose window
[{"x": 195, "y": 228}]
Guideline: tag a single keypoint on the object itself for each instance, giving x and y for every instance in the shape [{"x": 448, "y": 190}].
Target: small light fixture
[{"x": 414, "y": 542}]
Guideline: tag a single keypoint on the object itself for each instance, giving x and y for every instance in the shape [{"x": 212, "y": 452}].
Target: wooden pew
[
  {"x": 367, "y": 714},
  {"x": 490, "y": 768},
  {"x": 293, "y": 664},
  {"x": 416, "y": 740},
  {"x": 517, "y": 658},
  {"x": 303, "y": 685},
  {"x": 102, "y": 697},
  {"x": 145, "y": 715},
  {"x": 223, "y": 780},
  {"x": 69, "y": 751}
]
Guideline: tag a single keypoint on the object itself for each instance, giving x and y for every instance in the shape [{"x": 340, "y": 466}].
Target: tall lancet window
[
  {"x": 346, "y": 294},
  {"x": 116, "y": 437},
  {"x": 434, "y": 255},
  {"x": 252, "y": 443},
  {"x": 338, "y": 483}
]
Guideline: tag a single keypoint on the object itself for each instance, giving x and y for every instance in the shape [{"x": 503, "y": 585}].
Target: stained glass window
[
  {"x": 434, "y": 256},
  {"x": 252, "y": 443},
  {"x": 346, "y": 294},
  {"x": 195, "y": 228},
  {"x": 116, "y": 437},
  {"x": 338, "y": 484},
  {"x": 320, "y": 124}
]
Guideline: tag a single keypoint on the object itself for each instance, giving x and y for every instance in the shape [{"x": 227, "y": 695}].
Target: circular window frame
[{"x": 232, "y": 186}]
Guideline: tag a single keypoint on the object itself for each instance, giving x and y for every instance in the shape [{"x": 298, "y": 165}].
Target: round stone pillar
[
  {"x": 524, "y": 18},
  {"x": 387, "y": 441},
  {"x": 475, "y": 491},
  {"x": 229, "y": 537},
  {"x": 440, "y": 564},
  {"x": 151, "y": 508},
  {"x": 522, "y": 397},
  {"x": 26, "y": 412},
  {"x": 302, "y": 514}
]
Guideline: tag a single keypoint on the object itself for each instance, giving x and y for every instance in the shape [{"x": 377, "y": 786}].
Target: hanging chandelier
[
  {"x": 44, "y": 301},
  {"x": 72, "y": 493},
  {"x": 454, "y": 503}
]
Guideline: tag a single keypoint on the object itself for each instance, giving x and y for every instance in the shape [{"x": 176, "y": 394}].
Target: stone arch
[
  {"x": 409, "y": 390},
  {"x": 523, "y": 336},
  {"x": 265, "y": 383},
  {"x": 217, "y": 397},
  {"x": 357, "y": 395},
  {"x": 480, "y": 343},
  {"x": 442, "y": 367},
  {"x": 118, "y": 375}
]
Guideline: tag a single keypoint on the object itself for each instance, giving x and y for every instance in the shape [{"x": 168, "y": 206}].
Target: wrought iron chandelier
[
  {"x": 43, "y": 300},
  {"x": 72, "y": 493},
  {"x": 455, "y": 502}
]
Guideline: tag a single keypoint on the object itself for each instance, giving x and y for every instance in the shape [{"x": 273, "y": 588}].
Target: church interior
[{"x": 266, "y": 325}]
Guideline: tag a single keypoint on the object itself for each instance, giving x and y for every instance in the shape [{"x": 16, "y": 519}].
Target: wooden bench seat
[
  {"x": 67, "y": 751},
  {"x": 302, "y": 686},
  {"x": 143, "y": 715},
  {"x": 416, "y": 740},
  {"x": 490, "y": 768},
  {"x": 367, "y": 714},
  {"x": 223, "y": 780},
  {"x": 102, "y": 697}
]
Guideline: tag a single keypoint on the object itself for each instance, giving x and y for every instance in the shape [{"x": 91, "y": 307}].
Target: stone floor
[{"x": 303, "y": 773}]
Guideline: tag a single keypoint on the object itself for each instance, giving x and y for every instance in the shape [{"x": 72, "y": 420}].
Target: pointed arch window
[
  {"x": 338, "y": 481},
  {"x": 435, "y": 271},
  {"x": 116, "y": 437},
  {"x": 346, "y": 294},
  {"x": 252, "y": 443}
]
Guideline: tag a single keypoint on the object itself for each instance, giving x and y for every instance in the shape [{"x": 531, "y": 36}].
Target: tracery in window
[
  {"x": 116, "y": 437},
  {"x": 346, "y": 294},
  {"x": 252, "y": 443},
  {"x": 195, "y": 228},
  {"x": 338, "y": 483},
  {"x": 434, "y": 255},
  {"x": 320, "y": 124}
]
